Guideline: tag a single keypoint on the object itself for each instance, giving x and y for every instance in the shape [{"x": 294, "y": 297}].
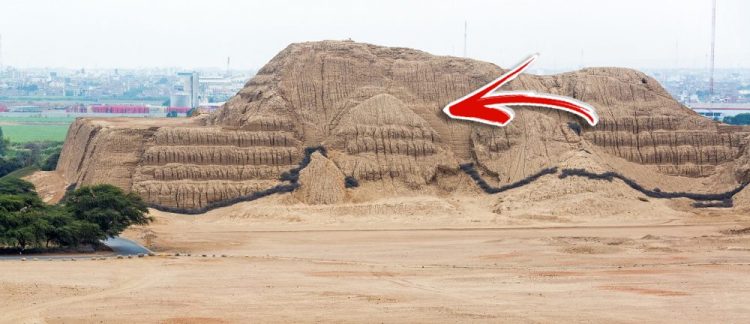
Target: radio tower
[{"x": 713, "y": 46}]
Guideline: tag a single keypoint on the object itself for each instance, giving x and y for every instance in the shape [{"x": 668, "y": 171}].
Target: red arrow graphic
[{"x": 485, "y": 105}]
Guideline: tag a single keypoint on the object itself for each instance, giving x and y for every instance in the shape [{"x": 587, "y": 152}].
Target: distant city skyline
[{"x": 202, "y": 34}]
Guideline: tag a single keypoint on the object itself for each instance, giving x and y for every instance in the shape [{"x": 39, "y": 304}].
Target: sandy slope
[
  {"x": 412, "y": 259},
  {"x": 49, "y": 184}
]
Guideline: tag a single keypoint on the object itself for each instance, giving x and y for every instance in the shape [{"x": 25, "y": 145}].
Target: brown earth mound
[
  {"x": 321, "y": 182},
  {"x": 377, "y": 110}
]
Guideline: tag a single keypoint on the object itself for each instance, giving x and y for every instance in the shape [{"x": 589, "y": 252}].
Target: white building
[
  {"x": 720, "y": 110},
  {"x": 191, "y": 86}
]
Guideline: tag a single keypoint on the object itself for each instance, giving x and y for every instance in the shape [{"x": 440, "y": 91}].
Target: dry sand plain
[{"x": 410, "y": 259}]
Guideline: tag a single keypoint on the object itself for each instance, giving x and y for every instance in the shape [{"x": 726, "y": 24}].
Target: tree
[
  {"x": 12, "y": 203},
  {"x": 3, "y": 144},
  {"x": 87, "y": 216},
  {"x": 31, "y": 153},
  {"x": 65, "y": 230},
  {"x": 19, "y": 221},
  {"x": 9, "y": 165},
  {"x": 108, "y": 207},
  {"x": 24, "y": 228},
  {"x": 51, "y": 162},
  {"x": 15, "y": 186},
  {"x": 739, "y": 119}
]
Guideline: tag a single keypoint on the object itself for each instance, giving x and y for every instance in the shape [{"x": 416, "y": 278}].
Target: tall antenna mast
[
  {"x": 583, "y": 65},
  {"x": 713, "y": 46},
  {"x": 466, "y": 27},
  {"x": 1, "y": 53},
  {"x": 228, "y": 58}
]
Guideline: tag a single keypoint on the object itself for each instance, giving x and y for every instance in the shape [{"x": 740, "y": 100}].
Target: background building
[
  {"x": 719, "y": 110},
  {"x": 191, "y": 86}
]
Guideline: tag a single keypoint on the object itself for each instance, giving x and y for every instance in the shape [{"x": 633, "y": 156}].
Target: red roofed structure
[{"x": 119, "y": 109}]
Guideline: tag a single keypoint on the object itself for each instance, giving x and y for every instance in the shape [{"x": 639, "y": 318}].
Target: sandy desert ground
[{"x": 411, "y": 259}]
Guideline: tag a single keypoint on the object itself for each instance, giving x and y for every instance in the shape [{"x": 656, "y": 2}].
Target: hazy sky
[{"x": 192, "y": 33}]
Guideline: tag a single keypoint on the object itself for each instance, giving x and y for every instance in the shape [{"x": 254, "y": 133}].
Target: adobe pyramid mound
[{"x": 377, "y": 110}]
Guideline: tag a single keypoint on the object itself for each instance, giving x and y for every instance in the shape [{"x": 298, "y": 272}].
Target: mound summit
[{"x": 377, "y": 111}]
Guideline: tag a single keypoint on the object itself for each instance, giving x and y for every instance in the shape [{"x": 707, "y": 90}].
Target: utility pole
[
  {"x": 713, "y": 47},
  {"x": 228, "y": 58},
  {"x": 466, "y": 27}
]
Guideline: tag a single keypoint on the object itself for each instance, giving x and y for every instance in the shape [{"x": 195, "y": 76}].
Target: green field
[{"x": 29, "y": 129}]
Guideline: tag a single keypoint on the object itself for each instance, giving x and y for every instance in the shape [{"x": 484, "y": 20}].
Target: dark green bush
[
  {"x": 90, "y": 214},
  {"x": 108, "y": 207},
  {"x": 50, "y": 163}
]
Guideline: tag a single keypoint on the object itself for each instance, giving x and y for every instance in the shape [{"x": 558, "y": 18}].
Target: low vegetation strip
[
  {"x": 722, "y": 199},
  {"x": 290, "y": 179},
  {"x": 474, "y": 174},
  {"x": 282, "y": 188},
  {"x": 726, "y": 203},
  {"x": 656, "y": 192}
]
